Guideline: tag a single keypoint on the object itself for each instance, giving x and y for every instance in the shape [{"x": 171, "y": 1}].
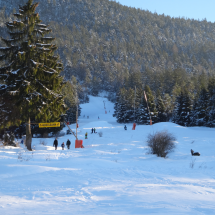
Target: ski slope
[{"x": 114, "y": 174}]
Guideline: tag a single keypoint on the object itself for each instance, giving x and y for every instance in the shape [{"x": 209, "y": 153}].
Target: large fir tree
[
  {"x": 203, "y": 111},
  {"x": 162, "y": 115},
  {"x": 211, "y": 106},
  {"x": 120, "y": 107},
  {"x": 183, "y": 109},
  {"x": 201, "y": 108},
  {"x": 31, "y": 74}
]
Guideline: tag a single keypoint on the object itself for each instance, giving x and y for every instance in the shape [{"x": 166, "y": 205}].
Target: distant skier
[
  {"x": 92, "y": 130},
  {"x": 63, "y": 145},
  {"x": 86, "y": 135},
  {"x": 125, "y": 127},
  {"x": 68, "y": 143},
  {"x": 55, "y": 144},
  {"x": 98, "y": 117}
]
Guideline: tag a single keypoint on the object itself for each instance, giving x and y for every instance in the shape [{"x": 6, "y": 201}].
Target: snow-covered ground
[{"x": 113, "y": 174}]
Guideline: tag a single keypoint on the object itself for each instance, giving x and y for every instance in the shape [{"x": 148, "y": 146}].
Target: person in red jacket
[{"x": 63, "y": 145}]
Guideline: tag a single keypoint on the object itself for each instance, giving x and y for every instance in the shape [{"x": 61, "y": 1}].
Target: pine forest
[{"x": 153, "y": 67}]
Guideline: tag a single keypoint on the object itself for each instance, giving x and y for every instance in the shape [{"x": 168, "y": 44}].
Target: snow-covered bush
[
  {"x": 161, "y": 143},
  {"x": 8, "y": 139}
]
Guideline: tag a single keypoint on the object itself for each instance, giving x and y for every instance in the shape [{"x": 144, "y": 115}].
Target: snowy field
[{"x": 113, "y": 174}]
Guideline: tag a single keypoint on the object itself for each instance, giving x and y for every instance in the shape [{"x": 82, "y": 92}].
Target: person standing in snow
[
  {"x": 63, "y": 145},
  {"x": 125, "y": 127},
  {"x": 98, "y": 117},
  {"x": 86, "y": 135},
  {"x": 55, "y": 144},
  {"x": 92, "y": 130},
  {"x": 68, "y": 143}
]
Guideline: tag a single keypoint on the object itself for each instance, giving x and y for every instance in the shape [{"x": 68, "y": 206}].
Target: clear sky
[{"x": 196, "y": 9}]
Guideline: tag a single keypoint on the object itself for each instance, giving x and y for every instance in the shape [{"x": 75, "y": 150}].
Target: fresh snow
[
  {"x": 13, "y": 92},
  {"x": 34, "y": 62},
  {"x": 114, "y": 174},
  {"x": 15, "y": 72}
]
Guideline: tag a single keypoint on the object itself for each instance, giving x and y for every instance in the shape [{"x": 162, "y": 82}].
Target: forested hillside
[
  {"x": 107, "y": 46},
  {"x": 101, "y": 41}
]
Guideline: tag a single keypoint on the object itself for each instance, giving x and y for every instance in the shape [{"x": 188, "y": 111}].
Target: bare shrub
[
  {"x": 42, "y": 142},
  {"x": 100, "y": 134},
  {"x": 161, "y": 143},
  {"x": 48, "y": 157},
  {"x": 60, "y": 134},
  {"x": 192, "y": 163},
  {"x": 17, "y": 143},
  {"x": 20, "y": 156},
  {"x": 45, "y": 135},
  {"x": 25, "y": 156}
]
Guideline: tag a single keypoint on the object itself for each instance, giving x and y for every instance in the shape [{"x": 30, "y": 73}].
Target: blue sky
[{"x": 196, "y": 9}]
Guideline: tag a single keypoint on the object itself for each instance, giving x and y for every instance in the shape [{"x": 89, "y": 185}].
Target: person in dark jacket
[
  {"x": 68, "y": 143},
  {"x": 55, "y": 144},
  {"x": 63, "y": 145},
  {"x": 125, "y": 127},
  {"x": 92, "y": 130}
]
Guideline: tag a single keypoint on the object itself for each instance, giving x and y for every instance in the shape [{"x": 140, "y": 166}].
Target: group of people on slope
[
  {"x": 93, "y": 130},
  {"x": 55, "y": 144}
]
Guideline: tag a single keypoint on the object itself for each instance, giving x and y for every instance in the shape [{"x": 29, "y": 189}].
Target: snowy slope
[{"x": 113, "y": 174}]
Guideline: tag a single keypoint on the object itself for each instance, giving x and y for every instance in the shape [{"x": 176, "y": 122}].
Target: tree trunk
[{"x": 28, "y": 135}]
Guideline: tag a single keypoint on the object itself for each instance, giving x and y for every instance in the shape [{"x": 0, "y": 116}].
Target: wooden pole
[
  {"x": 148, "y": 107},
  {"x": 77, "y": 123},
  {"x": 77, "y": 116},
  {"x": 134, "y": 102},
  {"x": 70, "y": 129},
  {"x": 28, "y": 135}
]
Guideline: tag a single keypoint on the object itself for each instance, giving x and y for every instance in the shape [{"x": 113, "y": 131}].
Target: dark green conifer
[
  {"x": 162, "y": 115},
  {"x": 31, "y": 74},
  {"x": 151, "y": 103},
  {"x": 201, "y": 111},
  {"x": 183, "y": 109},
  {"x": 211, "y": 106}
]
